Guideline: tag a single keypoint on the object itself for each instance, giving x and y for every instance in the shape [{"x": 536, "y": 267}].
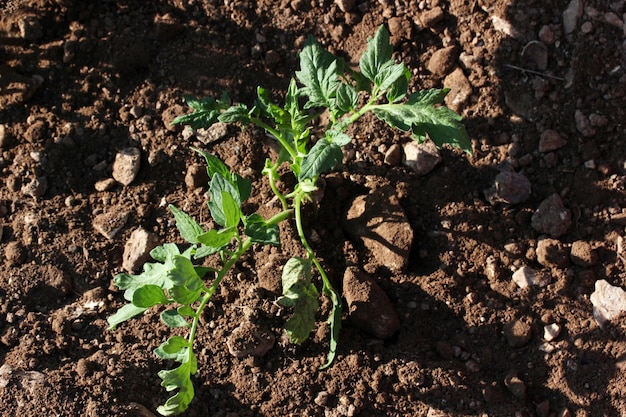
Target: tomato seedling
[{"x": 324, "y": 82}]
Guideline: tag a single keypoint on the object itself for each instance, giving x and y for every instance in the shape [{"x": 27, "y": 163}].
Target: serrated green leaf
[
  {"x": 319, "y": 73},
  {"x": 205, "y": 112},
  {"x": 148, "y": 296},
  {"x": 188, "y": 228},
  {"x": 322, "y": 157},
  {"x": 260, "y": 232},
  {"x": 421, "y": 117},
  {"x": 236, "y": 114},
  {"x": 264, "y": 102},
  {"x": 178, "y": 378},
  {"x": 214, "y": 164},
  {"x": 377, "y": 55},
  {"x": 172, "y": 318},
  {"x": 338, "y": 138},
  {"x": 184, "y": 295},
  {"x": 301, "y": 294},
  {"x": 389, "y": 75},
  {"x": 128, "y": 311},
  {"x": 164, "y": 252}
]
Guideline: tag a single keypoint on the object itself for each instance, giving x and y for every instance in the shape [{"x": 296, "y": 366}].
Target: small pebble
[
  {"x": 551, "y": 332},
  {"x": 517, "y": 333}
]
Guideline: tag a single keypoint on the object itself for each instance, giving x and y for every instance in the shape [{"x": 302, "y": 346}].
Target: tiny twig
[{"x": 541, "y": 74}]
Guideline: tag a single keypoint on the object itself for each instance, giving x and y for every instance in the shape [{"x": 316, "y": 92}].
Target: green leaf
[
  {"x": 377, "y": 56},
  {"x": 301, "y": 294},
  {"x": 172, "y": 318},
  {"x": 178, "y": 378},
  {"x": 175, "y": 348},
  {"x": 319, "y": 74},
  {"x": 261, "y": 232},
  {"x": 218, "y": 204},
  {"x": 217, "y": 239},
  {"x": 338, "y": 138},
  {"x": 148, "y": 296},
  {"x": 214, "y": 164},
  {"x": 189, "y": 229},
  {"x": 126, "y": 312},
  {"x": 347, "y": 98},
  {"x": 184, "y": 295},
  {"x": 322, "y": 157},
  {"x": 184, "y": 274},
  {"x": 238, "y": 113},
  {"x": 279, "y": 115},
  {"x": 243, "y": 186},
  {"x": 389, "y": 75},
  {"x": 186, "y": 311},
  {"x": 205, "y": 111},
  {"x": 164, "y": 252},
  {"x": 399, "y": 88},
  {"x": 420, "y": 115}
]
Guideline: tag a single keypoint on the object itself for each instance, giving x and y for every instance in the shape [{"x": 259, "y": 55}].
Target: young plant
[{"x": 178, "y": 281}]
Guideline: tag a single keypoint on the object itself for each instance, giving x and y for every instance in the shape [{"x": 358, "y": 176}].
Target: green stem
[
  {"x": 269, "y": 129},
  {"x": 273, "y": 177},
  {"x": 243, "y": 248},
  {"x": 334, "y": 319}
]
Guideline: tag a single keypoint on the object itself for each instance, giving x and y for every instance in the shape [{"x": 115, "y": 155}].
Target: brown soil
[{"x": 82, "y": 80}]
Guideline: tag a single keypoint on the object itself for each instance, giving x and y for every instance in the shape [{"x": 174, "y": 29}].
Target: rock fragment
[
  {"x": 421, "y": 157},
  {"x": 35, "y": 188},
  {"x": 393, "y": 156},
  {"x": 345, "y": 5},
  {"x": 212, "y": 134},
  {"x": 110, "y": 223},
  {"x": 583, "y": 125},
  {"x": 551, "y": 253},
  {"x": 443, "y": 60},
  {"x": 510, "y": 188},
  {"x": 608, "y": 302},
  {"x": 551, "y": 217},
  {"x": 460, "y": 90},
  {"x": 14, "y": 253},
  {"x": 583, "y": 254},
  {"x": 551, "y": 332},
  {"x": 527, "y": 276},
  {"x": 550, "y": 140},
  {"x": 430, "y": 18},
  {"x": 368, "y": 305},
  {"x": 571, "y": 15},
  {"x": 515, "y": 385},
  {"x": 126, "y": 165},
  {"x": 137, "y": 249},
  {"x": 517, "y": 333},
  {"x": 379, "y": 222},
  {"x": 196, "y": 176},
  {"x": 249, "y": 340}
]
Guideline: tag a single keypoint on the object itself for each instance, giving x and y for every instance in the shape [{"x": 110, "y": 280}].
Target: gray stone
[
  {"x": 137, "y": 249},
  {"x": 571, "y": 15},
  {"x": 369, "y": 307},
  {"x": 421, "y": 157},
  {"x": 126, "y": 165},
  {"x": 609, "y": 302},
  {"x": 379, "y": 222},
  {"x": 527, "y": 276},
  {"x": 510, "y": 188},
  {"x": 551, "y": 217},
  {"x": 393, "y": 156},
  {"x": 345, "y": 5},
  {"x": 214, "y": 133},
  {"x": 35, "y": 188}
]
